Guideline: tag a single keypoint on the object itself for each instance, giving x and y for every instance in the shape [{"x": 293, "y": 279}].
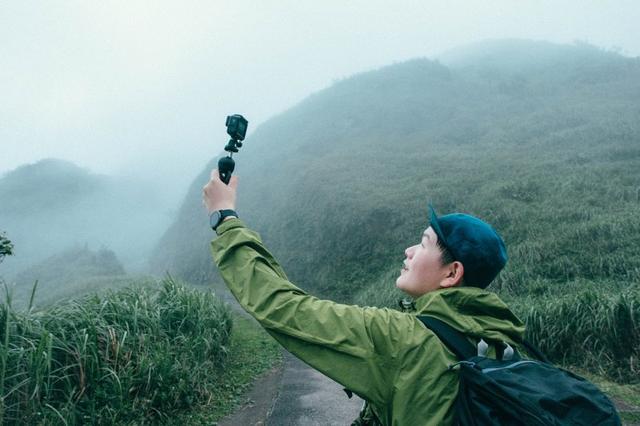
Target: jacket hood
[{"x": 476, "y": 312}]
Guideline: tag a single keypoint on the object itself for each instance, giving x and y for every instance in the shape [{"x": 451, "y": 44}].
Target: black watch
[{"x": 216, "y": 218}]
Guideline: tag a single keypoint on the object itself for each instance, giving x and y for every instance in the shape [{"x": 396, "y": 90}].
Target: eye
[{"x": 422, "y": 237}]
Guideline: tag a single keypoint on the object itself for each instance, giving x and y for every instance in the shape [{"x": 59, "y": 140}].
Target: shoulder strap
[
  {"x": 452, "y": 338},
  {"x": 459, "y": 345}
]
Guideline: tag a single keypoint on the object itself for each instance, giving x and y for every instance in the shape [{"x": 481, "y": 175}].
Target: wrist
[
  {"x": 229, "y": 218},
  {"x": 219, "y": 216},
  {"x": 218, "y": 208}
]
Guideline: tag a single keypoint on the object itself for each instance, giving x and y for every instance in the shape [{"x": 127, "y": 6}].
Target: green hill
[
  {"x": 50, "y": 184},
  {"x": 541, "y": 140},
  {"x": 69, "y": 273},
  {"x": 53, "y": 205}
]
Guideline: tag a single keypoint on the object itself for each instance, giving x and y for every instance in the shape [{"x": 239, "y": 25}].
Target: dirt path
[
  {"x": 295, "y": 395},
  {"x": 306, "y": 397}
]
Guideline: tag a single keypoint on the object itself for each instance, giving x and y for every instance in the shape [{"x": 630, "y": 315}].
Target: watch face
[{"x": 214, "y": 218}]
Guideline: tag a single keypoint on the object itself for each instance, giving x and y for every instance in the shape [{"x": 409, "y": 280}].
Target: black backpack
[{"x": 519, "y": 391}]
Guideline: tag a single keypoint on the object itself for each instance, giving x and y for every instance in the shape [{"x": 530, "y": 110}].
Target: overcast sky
[{"x": 145, "y": 86}]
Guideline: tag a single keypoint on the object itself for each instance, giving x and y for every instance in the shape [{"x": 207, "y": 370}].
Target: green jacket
[{"x": 386, "y": 357}]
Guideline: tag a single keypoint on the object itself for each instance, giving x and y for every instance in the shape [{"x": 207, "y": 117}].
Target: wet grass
[{"x": 132, "y": 356}]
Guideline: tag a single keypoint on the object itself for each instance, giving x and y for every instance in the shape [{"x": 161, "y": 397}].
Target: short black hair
[{"x": 446, "y": 257}]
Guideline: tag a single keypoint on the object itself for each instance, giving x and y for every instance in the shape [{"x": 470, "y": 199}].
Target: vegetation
[
  {"x": 6, "y": 246},
  {"x": 596, "y": 328},
  {"x": 131, "y": 356}
]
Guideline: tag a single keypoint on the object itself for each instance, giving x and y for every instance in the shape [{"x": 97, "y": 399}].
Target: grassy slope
[{"x": 548, "y": 154}]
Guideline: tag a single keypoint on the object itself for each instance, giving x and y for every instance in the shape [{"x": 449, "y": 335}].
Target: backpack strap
[
  {"x": 459, "y": 345},
  {"x": 452, "y": 338}
]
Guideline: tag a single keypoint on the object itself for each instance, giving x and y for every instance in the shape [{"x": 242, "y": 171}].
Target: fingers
[
  {"x": 218, "y": 196},
  {"x": 215, "y": 176}
]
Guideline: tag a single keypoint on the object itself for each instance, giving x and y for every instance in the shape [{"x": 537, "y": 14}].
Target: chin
[{"x": 401, "y": 287}]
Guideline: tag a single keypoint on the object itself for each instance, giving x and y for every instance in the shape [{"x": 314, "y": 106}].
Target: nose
[{"x": 409, "y": 251}]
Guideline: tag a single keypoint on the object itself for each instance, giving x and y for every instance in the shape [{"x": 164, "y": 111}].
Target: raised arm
[{"x": 357, "y": 347}]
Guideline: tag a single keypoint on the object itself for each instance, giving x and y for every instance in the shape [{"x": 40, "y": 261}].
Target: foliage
[
  {"x": 138, "y": 354},
  {"x": 595, "y": 327},
  {"x": 6, "y": 246}
]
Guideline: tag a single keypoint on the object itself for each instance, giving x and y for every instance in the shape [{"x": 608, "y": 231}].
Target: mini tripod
[{"x": 236, "y": 128}]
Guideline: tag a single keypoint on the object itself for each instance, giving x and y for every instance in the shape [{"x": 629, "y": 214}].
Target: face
[{"x": 423, "y": 270}]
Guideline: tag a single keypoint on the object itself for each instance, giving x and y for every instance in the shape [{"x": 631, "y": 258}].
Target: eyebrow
[{"x": 426, "y": 235}]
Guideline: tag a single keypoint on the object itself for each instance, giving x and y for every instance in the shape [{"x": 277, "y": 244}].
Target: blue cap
[{"x": 472, "y": 242}]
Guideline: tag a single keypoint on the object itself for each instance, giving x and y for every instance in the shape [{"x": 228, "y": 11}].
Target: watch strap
[{"x": 222, "y": 214}]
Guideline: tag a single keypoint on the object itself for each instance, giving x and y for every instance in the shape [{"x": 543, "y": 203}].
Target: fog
[
  {"x": 142, "y": 88},
  {"x": 136, "y": 93}
]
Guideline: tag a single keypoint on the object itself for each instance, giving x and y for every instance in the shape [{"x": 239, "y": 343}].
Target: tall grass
[
  {"x": 382, "y": 292},
  {"x": 134, "y": 355},
  {"x": 596, "y": 328}
]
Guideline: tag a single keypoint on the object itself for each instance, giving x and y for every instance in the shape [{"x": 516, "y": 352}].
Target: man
[{"x": 387, "y": 357}]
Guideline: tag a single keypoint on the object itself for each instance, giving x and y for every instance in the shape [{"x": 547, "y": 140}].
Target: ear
[{"x": 454, "y": 274}]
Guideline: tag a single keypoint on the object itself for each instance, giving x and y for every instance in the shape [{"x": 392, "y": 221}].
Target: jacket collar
[{"x": 476, "y": 312}]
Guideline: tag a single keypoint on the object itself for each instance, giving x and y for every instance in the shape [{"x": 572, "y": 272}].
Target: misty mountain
[
  {"x": 53, "y": 205},
  {"x": 50, "y": 183},
  {"x": 68, "y": 274},
  {"x": 541, "y": 140}
]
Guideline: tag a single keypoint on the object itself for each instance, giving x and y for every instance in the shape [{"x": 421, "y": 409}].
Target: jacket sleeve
[{"x": 355, "y": 346}]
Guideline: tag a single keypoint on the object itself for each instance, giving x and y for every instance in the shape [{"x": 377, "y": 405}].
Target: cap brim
[{"x": 433, "y": 222}]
